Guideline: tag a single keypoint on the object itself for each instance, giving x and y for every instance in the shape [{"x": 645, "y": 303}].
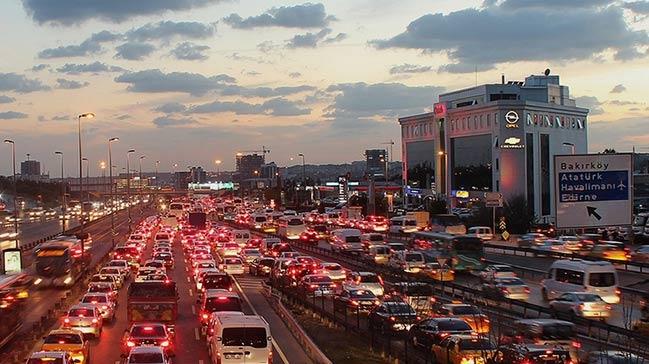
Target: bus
[
  {"x": 464, "y": 253},
  {"x": 14, "y": 291},
  {"x": 59, "y": 262}
]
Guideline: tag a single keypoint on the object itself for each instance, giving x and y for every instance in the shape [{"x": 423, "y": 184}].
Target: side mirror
[{"x": 218, "y": 338}]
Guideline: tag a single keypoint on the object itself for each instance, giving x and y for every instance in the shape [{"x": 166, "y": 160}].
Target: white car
[
  {"x": 148, "y": 355},
  {"x": 365, "y": 280},
  {"x": 334, "y": 271},
  {"x": 158, "y": 264},
  {"x": 232, "y": 265},
  {"x": 122, "y": 265}
]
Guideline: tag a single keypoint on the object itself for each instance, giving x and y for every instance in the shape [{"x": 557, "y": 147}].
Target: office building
[
  {"x": 494, "y": 137},
  {"x": 376, "y": 162}
]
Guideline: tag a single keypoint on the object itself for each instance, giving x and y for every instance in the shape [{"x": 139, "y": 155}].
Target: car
[
  {"x": 365, "y": 280},
  {"x": 232, "y": 265},
  {"x": 392, "y": 316},
  {"x": 512, "y": 288},
  {"x": 606, "y": 250},
  {"x": 291, "y": 254},
  {"x": 495, "y": 271},
  {"x": 478, "y": 321},
  {"x": 167, "y": 258},
  {"x": 50, "y": 357},
  {"x": 571, "y": 242},
  {"x": 103, "y": 302},
  {"x": 85, "y": 318},
  {"x": 545, "y": 229},
  {"x": 216, "y": 300},
  {"x": 462, "y": 349},
  {"x": 613, "y": 357},
  {"x": 148, "y": 334},
  {"x": 229, "y": 250},
  {"x": 158, "y": 264},
  {"x": 315, "y": 285},
  {"x": 261, "y": 266},
  {"x": 355, "y": 299},
  {"x": 532, "y": 354},
  {"x": 216, "y": 280},
  {"x": 430, "y": 331},
  {"x": 530, "y": 240},
  {"x": 309, "y": 236},
  {"x": 482, "y": 232},
  {"x": 214, "y": 316},
  {"x": 106, "y": 278},
  {"x": 334, "y": 271},
  {"x": 641, "y": 254},
  {"x": 435, "y": 271},
  {"x": 115, "y": 272},
  {"x": 557, "y": 333},
  {"x": 582, "y": 304},
  {"x": 122, "y": 265},
  {"x": 250, "y": 254},
  {"x": 370, "y": 239},
  {"x": 148, "y": 355},
  {"x": 408, "y": 261},
  {"x": 103, "y": 287},
  {"x": 70, "y": 341}
]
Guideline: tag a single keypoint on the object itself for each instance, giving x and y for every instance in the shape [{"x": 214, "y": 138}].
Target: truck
[
  {"x": 352, "y": 212},
  {"x": 197, "y": 220},
  {"x": 154, "y": 301},
  {"x": 422, "y": 218}
]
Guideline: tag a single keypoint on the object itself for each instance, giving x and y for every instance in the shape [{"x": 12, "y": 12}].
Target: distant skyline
[{"x": 193, "y": 81}]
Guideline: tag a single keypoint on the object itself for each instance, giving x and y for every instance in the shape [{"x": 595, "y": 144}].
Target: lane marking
[
  {"x": 245, "y": 297},
  {"x": 193, "y": 310},
  {"x": 200, "y": 361},
  {"x": 197, "y": 335},
  {"x": 191, "y": 293},
  {"x": 188, "y": 280}
]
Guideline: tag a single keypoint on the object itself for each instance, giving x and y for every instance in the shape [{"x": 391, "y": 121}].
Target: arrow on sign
[{"x": 592, "y": 211}]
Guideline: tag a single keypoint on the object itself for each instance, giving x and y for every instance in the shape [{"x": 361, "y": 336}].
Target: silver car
[
  {"x": 85, "y": 318},
  {"x": 582, "y": 304},
  {"x": 148, "y": 355},
  {"x": 103, "y": 302}
]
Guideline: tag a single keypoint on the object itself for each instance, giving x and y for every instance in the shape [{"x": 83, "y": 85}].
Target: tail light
[
  {"x": 204, "y": 316},
  {"x": 130, "y": 344},
  {"x": 355, "y": 303},
  {"x": 618, "y": 292},
  {"x": 392, "y": 318},
  {"x": 104, "y": 307},
  {"x": 66, "y": 320},
  {"x": 581, "y": 307},
  {"x": 527, "y": 290},
  {"x": 164, "y": 344},
  {"x": 504, "y": 290},
  {"x": 608, "y": 307},
  {"x": 576, "y": 344},
  {"x": 313, "y": 286}
]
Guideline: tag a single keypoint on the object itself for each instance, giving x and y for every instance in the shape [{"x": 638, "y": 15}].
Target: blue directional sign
[{"x": 593, "y": 190}]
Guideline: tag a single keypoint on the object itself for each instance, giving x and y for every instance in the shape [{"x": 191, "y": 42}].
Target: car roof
[
  {"x": 147, "y": 350},
  {"x": 65, "y": 331},
  {"x": 48, "y": 354},
  {"x": 220, "y": 293}
]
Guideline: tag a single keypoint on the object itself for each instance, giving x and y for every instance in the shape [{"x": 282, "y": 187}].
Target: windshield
[
  {"x": 414, "y": 257},
  {"x": 446, "y": 220},
  {"x": 602, "y": 279},
  {"x": 233, "y": 261},
  {"x": 476, "y": 344},
  {"x": 511, "y": 282},
  {"x": 81, "y": 312},
  {"x": 640, "y": 221},
  {"x": 295, "y": 222},
  {"x": 353, "y": 239},
  {"x": 465, "y": 310},
  {"x": 361, "y": 293},
  {"x": 333, "y": 267},
  {"x": 218, "y": 304},
  {"x": 411, "y": 223},
  {"x": 148, "y": 331},
  {"x": 152, "y": 289},
  {"x": 49, "y": 360},
  {"x": 63, "y": 339},
  {"x": 260, "y": 219},
  {"x": 467, "y": 244},
  {"x": 146, "y": 358},
  {"x": 320, "y": 279},
  {"x": 557, "y": 332},
  {"x": 371, "y": 278},
  {"x": 453, "y": 325},
  {"x": 94, "y": 299},
  {"x": 376, "y": 237},
  {"x": 249, "y": 336},
  {"x": 399, "y": 307}
]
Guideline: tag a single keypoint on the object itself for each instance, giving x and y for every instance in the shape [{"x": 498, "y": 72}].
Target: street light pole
[
  {"x": 88, "y": 115},
  {"x": 63, "y": 205},
  {"x": 218, "y": 168},
  {"x": 13, "y": 158},
  {"x": 128, "y": 186},
  {"x": 84, "y": 159},
  {"x": 112, "y": 195}
]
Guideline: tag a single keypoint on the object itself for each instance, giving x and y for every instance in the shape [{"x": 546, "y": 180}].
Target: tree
[
  {"x": 435, "y": 206},
  {"x": 517, "y": 215},
  {"x": 609, "y": 151}
]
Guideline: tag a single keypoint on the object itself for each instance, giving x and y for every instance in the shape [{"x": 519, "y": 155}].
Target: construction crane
[
  {"x": 390, "y": 143},
  {"x": 263, "y": 151}
]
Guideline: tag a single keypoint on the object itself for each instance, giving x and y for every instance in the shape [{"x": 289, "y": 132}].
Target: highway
[{"x": 190, "y": 345}]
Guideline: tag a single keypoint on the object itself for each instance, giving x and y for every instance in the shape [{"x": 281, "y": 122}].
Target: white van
[
  {"x": 380, "y": 254},
  {"x": 258, "y": 221},
  {"x": 240, "y": 339},
  {"x": 482, "y": 232},
  {"x": 348, "y": 240},
  {"x": 291, "y": 227},
  {"x": 403, "y": 225},
  {"x": 268, "y": 243},
  {"x": 581, "y": 276},
  {"x": 241, "y": 237}
]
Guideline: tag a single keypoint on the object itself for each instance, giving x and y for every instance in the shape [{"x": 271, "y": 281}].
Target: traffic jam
[{"x": 389, "y": 275}]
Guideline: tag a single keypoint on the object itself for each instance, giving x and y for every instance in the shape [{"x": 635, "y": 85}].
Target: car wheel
[
  {"x": 544, "y": 293},
  {"x": 415, "y": 342}
]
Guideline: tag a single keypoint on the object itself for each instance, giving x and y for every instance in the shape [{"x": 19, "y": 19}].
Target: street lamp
[
  {"x": 157, "y": 163},
  {"x": 88, "y": 115},
  {"x": 13, "y": 158},
  {"x": 218, "y": 168},
  {"x": 63, "y": 205},
  {"x": 571, "y": 146},
  {"x": 112, "y": 190},
  {"x": 128, "y": 186}
]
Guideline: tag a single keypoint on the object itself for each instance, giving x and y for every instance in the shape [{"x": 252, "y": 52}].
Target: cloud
[
  {"x": 123, "y": 117},
  {"x": 308, "y": 40},
  {"x": 623, "y": 102},
  {"x": 463, "y": 35},
  {"x": 61, "y": 118},
  {"x": 90, "y": 46},
  {"x": 275, "y": 107},
  {"x": 264, "y": 92},
  {"x": 465, "y": 68},
  {"x": 241, "y": 58},
  {"x": 156, "y": 81},
  {"x": 618, "y": 89},
  {"x": 170, "y": 108},
  {"x": 40, "y": 67},
  {"x": 70, "y": 12},
  {"x": 11, "y": 115},
  {"x": 134, "y": 51},
  {"x": 295, "y": 75},
  {"x": 190, "y": 52},
  {"x": 307, "y": 15},
  {"x": 355, "y": 100},
  {"x": 6, "y": 99},
  {"x": 20, "y": 83},
  {"x": 409, "y": 68},
  {"x": 338, "y": 38},
  {"x": 166, "y": 121},
  {"x": 590, "y": 102},
  {"x": 62, "y": 83},
  {"x": 638, "y": 7},
  {"x": 545, "y": 4},
  {"x": 96, "y": 67},
  {"x": 267, "y": 46},
  {"x": 166, "y": 30}
]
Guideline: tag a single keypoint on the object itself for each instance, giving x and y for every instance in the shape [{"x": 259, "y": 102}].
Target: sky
[{"x": 189, "y": 82}]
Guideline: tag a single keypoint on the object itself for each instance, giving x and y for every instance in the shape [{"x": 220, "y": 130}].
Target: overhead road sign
[
  {"x": 493, "y": 199},
  {"x": 593, "y": 190}
]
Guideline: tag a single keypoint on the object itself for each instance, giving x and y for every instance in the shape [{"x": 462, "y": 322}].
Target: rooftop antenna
[
  {"x": 547, "y": 72},
  {"x": 28, "y": 156}
]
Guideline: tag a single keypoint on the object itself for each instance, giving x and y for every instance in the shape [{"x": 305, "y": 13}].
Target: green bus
[{"x": 463, "y": 252}]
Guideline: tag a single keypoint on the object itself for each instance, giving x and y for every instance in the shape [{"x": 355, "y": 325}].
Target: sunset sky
[{"x": 191, "y": 81}]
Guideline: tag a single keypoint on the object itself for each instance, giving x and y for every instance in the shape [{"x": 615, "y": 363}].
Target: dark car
[
  {"x": 392, "y": 316},
  {"x": 217, "y": 280},
  {"x": 278, "y": 249},
  {"x": 530, "y": 240},
  {"x": 261, "y": 266},
  {"x": 148, "y": 334},
  {"x": 313, "y": 285},
  {"x": 531, "y": 354},
  {"x": 546, "y": 229},
  {"x": 355, "y": 300},
  {"x": 293, "y": 274},
  {"x": 309, "y": 236},
  {"x": 167, "y": 258},
  {"x": 431, "y": 331}
]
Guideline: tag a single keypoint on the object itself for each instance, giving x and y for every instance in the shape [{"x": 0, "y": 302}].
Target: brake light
[
  {"x": 66, "y": 320},
  {"x": 392, "y": 318},
  {"x": 576, "y": 344},
  {"x": 313, "y": 285},
  {"x": 527, "y": 290},
  {"x": 618, "y": 292},
  {"x": 148, "y": 328},
  {"x": 581, "y": 307},
  {"x": 204, "y": 316},
  {"x": 130, "y": 344},
  {"x": 104, "y": 307},
  {"x": 164, "y": 344},
  {"x": 608, "y": 307},
  {"x": 355, "y": 303}
]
